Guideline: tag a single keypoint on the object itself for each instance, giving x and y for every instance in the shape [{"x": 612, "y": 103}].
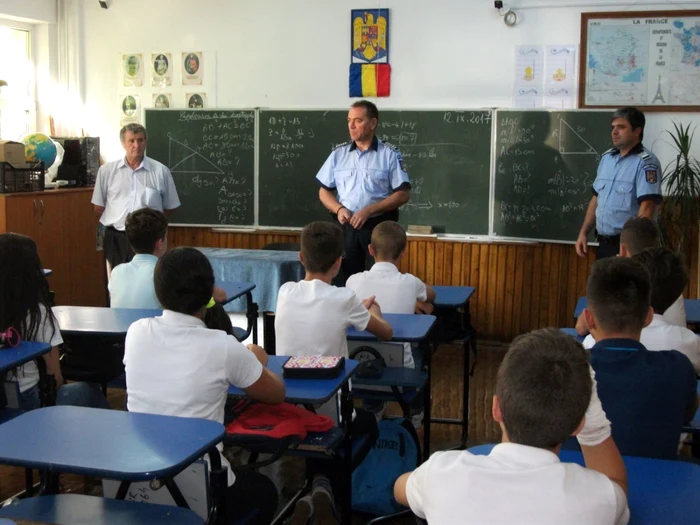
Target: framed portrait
[
  {"x": 192, "y": 68},
  {"x": 132, "y": 70},
  {"x": 648, "y": 59},
  {"x": 369, "y": 40},
  {"x": 161, "y": 69}
]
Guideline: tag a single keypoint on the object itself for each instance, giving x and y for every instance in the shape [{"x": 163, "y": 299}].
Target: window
[{"x": 17, "y": 105}]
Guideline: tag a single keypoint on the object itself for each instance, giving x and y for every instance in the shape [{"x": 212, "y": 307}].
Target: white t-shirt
[
  {"x": 312, "y": 318},
  {"x": 176, "y": 366},
  {"x": 395, "y": 292},
  {"x": 675, "y": 314},
  {"x": 28, "y": 374},
  {"x": 513, "y": 484},
  {"x": 661, "y": 335}
]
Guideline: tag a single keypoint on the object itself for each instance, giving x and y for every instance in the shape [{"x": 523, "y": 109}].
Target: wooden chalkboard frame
[{"x": 583, "y": 55}]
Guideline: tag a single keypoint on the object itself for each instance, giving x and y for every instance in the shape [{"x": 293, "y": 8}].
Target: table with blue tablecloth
[{"x": 267, "y": 269}]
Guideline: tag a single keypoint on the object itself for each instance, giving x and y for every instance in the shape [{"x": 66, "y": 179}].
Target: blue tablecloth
[{"x": 268, "y": 269}]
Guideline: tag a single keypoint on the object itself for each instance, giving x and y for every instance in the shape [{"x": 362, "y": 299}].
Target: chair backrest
[{"x": 283, "y": 246}]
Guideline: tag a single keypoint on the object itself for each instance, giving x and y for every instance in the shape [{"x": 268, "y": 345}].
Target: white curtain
[{"x": 67, "y": 109}]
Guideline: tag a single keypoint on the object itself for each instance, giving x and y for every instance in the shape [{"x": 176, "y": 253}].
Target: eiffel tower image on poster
[{"x": 659, "y": 95}]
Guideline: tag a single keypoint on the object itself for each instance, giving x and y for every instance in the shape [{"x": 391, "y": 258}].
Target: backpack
[{"x": 395, "y": 452}]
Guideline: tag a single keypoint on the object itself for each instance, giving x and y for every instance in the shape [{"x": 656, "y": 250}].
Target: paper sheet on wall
[
  {"x": 529, "y": 76},
  {"x": 560, "y": 77}
]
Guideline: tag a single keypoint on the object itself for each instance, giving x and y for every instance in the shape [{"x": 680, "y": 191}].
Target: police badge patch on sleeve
[
  {"x": 651, "y": 176},
  {"x": 402, "y": 164}
]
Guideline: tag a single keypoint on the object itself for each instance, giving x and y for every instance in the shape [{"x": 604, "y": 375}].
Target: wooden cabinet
[{"x": 63, "y": 226}]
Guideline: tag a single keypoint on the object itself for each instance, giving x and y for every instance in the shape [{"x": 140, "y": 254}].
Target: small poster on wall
[
  {"x": 192, "y": 68},
  {"x": 370, "y": 36},
  {"x": 162, "y": 100},
  {"x": 161, "y": 70},
  {"x": 132, "y": 70},
  {"x": 196, "y": 100},
  {"x": 130, "y": 109}
]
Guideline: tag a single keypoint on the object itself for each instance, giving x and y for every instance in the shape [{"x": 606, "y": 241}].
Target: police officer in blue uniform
[
  {"x": 363, "y": 182},
  {"x": 628, "y": 184}
]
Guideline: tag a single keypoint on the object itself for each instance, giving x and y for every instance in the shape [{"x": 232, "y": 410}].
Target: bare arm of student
[
  {"x": 647, "y": 209},
  {"x": 53, "y": 366},
  {"x": 582, "y": 325},
  {"x": 218, "y": 294},
  {"x": 269, "y": 388},
  {"x": 400, "y": 489},
  {"x": 690, "y": 412},
  {"x": 606, "y": 459},
  {"x": 430, "y": 292},
  {"x": 588, "y": 223},
  {"x": 259, "y": 353},
  {"x": 424, "y": 307},
  {"x": 99, "y": 210},
  {"x": 378, "y": 326}
]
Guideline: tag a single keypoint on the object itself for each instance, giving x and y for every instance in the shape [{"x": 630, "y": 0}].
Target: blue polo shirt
[
  {"x": 645, "y": 395},
  {"x": 622, "y": 183},
  {"x": 363, "y": 177},
  {"x": 131, "y": 284}
]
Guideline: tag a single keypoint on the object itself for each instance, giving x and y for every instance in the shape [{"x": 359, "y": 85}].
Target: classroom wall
[
  {"x": 282, "y": 54},
  {"x": 31, "y": 11}
]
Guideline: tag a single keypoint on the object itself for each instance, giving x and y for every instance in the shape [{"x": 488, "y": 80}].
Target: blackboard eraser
[{"x": 416, "y": 229}]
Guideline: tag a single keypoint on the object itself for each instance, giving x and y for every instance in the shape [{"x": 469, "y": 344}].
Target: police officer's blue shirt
[
  {"x": 363, "y": 177},
  {"x": 622, "y": 184},
  {"x": 645, "y": 395}
]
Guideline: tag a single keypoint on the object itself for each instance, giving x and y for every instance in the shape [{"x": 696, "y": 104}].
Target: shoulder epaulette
[
  {"x": 342, "y": 144},
  {"x": 611, "y": 150},
  {"x": 392, "y": 147},
  {"x": 644, "y": 155}
]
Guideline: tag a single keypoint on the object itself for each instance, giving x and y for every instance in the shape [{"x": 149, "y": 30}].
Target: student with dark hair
[
  {"x": 628, "y": 184},
  {"x": 669, "y": 277},
  {"x": 641, "y": 233},
  {"x": 543, "y": 390},
  {"x": 25, "y": 306},
  {"x": 312, "y": 315},
  {"x": 647, "y": 396},
  {"x": 638, "y": 233},
  {"x": 177, "y": 366},
  {"x": 131, "y": 284},
  {"x": 312, "y": 318}
]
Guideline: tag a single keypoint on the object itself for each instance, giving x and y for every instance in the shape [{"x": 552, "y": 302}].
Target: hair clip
[{"x": 211, "y": 303}]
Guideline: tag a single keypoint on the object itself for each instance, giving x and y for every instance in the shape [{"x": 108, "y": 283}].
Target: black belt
[
  {"x": 609, "y": 239},
  {"x": 113, "y": 229}
]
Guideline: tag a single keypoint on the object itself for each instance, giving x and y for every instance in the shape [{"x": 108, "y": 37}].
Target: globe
[{"x": 39, "y": 148}]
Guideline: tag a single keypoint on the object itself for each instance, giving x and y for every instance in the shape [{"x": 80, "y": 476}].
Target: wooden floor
[{"x": 288, "y": 473}]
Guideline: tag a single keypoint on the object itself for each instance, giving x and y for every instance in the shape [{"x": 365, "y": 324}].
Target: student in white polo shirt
[
  {"x": 177, "y": 366},
  {"x": 542, "y": 392},
  {"x": 395, "y": 292},
  {"x": 669, "y": 277}
]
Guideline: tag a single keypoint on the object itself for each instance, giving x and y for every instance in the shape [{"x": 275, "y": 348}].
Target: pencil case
[{"x": 313, "y": 367}]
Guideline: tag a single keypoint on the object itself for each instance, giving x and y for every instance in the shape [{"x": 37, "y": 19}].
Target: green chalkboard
[
  {"x": 211, "y": 154},
  {"x": 545, "y": 165},
  {"x": 447, "y": 155}
]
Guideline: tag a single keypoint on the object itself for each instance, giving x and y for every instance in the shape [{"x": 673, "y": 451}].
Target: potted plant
[{"x": 680, "y": 212}]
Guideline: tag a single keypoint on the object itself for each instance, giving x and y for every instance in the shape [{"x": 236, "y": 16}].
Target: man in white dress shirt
[{"x": 126, "y": 185}]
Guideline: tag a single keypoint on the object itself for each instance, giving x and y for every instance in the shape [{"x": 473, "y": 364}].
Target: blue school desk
[
  {"x": 660, "y": 490},
  {"x": 24, "y": 352},
  {"x": 457, "y": 298},
  {"x": 77, "y": 509},
  {"x": 99, "y": 320},
  {"x": 318, "y": 391},
  {"x": 106, "y": 443},
  {"x": 407, "y": 328},
  {"x": 234, "y": 290},
  {"x": 305, "y": 391}
]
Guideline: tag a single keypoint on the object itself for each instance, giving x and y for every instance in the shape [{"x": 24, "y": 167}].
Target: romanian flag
[{"x": 370, "y": 80}]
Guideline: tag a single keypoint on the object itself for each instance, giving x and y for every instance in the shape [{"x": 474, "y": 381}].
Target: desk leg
[
  {"x": 345, "y": 499},
  {"x": 269, "y": 341},
  {"x": 252, "y": 316},
  {"x": 427, "y": 402}
]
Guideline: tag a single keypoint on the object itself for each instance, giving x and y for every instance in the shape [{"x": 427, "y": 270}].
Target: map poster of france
[{"x": 647, "y": 59}]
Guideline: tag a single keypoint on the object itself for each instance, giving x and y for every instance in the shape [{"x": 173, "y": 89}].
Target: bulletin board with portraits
[{"x": 165, "y": 80}]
